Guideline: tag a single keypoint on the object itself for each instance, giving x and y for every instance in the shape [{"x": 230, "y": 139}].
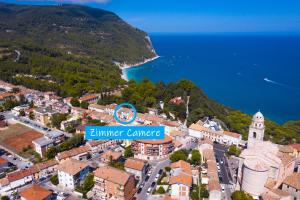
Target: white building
[
  {"x": 41, "y": 145},
  {"x": 263, "y": 166},
  {"x": 213, "y": 132},
  {"x": 180, "y": 180},
  {"x": 71, "y": 172},
  {"x": 137, "y": 167}
]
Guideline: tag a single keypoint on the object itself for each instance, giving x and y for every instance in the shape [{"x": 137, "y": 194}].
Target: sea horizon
[{"x": 254, "y": 72}]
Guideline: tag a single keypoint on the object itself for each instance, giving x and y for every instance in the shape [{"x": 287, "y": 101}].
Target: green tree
[
  {"x": 241, "y": 195},
  {"x": 233, "y": 150},
  {"x": 31, "y": 104},
  {"x": 161, "y": 190},
  {"x": 75, "y": 102},
  {"x": 168, "y": 168},
  {"x": 31, "y": 115},
  {"x": 54, "y": 180},
  {"x": 196, "y": 157},
  {"x": 57, "y": 119},
  {"x": 204, "y": 192},
  {"x": 194, "y": 192},
  {"x": 15, "y": 90},
  {"x": 4, "y": 198},
  {"x": 128, "y": 152},
  {"x": 51, "y": 152},
  {"x": 9, "y": 104},
  {"x": 84, "y": 104},
  {"x": 22, "y": 113},
  {"x": 70, "y": 129},
  {"x": 179, "y": 155}
]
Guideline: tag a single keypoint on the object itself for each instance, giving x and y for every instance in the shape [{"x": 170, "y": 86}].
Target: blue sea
[{"x": 245, "y": 72}]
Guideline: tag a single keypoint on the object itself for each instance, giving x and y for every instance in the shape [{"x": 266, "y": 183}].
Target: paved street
[
  {"x": 224, "y": 175},
  {"x": 156, "y": 166}
]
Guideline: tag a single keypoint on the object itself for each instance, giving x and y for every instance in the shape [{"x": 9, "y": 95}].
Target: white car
[
  {"x": 149, "y": 191},
  {"x": 223, "y": 189}
]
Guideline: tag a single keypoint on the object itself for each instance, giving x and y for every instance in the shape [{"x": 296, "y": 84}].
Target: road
[
  {"x": 224, "y": 169},
  {"x": 156, "y": 166}
]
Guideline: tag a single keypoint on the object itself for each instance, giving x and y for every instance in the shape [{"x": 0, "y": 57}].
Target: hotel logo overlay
[{"x": 125, "y": 114}]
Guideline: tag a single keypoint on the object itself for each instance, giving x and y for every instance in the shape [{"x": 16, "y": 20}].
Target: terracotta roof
[
  {"x": 293, "y": 180},
  {"x": 72, "y": 152},
  {"x": 176, "y": 133},
  {"x": 185, "y": 166},
  {"x": 208, "y": 154},
  {"x": 17, "y": 175},
  {"x": 97, "y": 106},
  {"x": 114, "y": 154},
  {"x": 4, "y": 181},
  {"x": 280, "y": 193},
  {"x": 205, "y": 141},
  {"x": 94, "y": 143},
  {"x": 46, "y": 164},
  {"x": 167, "y": 139},
  {"x": 232, "y": 134},
  {"x": 286, "y": 149},
  {"x": 182, "y": 178},
  {"x": 295, "y": 146},
  {"x": 35, "y": 192},
  {"x": 88, "y": 97},
  {"x": 72, "y": 166},
  {"x": 6, "y": 94},
  {"x": 213, "y": 184},
  {"x": 167, "y": 197},
  {"x": 3, "y": 161},
  {"x": 112, "y": 175},
  {"x": 285, "y": 158},
  {"x": 271, "y": 182},
  {"x": 134, "y": 163}
]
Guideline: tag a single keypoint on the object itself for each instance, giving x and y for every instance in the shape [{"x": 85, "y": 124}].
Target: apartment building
[
  {"x": 71, "y": 172},
  {"x": 113, "y": 184}
]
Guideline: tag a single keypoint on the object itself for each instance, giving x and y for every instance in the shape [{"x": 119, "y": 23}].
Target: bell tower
[{"x": 256, "y": 129}]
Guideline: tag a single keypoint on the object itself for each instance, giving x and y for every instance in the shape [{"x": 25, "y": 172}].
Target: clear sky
[{"x": 279, "y": 16}]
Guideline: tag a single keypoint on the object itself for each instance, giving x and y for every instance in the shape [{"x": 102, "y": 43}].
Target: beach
[{"x": 125, "y": 66}]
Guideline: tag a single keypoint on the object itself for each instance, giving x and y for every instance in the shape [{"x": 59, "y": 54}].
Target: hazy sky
[{"x": 201, "y": 15}]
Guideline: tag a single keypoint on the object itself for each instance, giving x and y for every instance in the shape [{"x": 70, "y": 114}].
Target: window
[{"x": 254, "y": 134}]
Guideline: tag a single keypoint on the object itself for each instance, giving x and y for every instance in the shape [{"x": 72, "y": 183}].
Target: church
[{"x": 263, "y": 165}]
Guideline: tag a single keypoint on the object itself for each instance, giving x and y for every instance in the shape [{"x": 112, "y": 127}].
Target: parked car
[
  {"x": 149, "y": 191},
  {"x": 147, "y": 178},
  {"x": 139, "y": 190},
  {"x": 160, "y": 171},
  {"x": 152, "y": 184}
]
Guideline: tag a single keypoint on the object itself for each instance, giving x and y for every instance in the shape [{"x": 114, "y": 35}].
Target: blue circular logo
[{"x": 125, "y": 105}]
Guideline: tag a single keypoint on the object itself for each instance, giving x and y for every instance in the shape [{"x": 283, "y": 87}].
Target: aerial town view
[{"x": 149, "y": 100}]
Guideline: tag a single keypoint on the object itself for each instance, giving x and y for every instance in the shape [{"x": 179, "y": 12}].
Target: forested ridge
[{"x": 69, "y": 49}]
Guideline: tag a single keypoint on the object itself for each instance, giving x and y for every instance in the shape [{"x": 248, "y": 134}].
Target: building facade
[
  {"x": 71, "y": 172},
  {"x": 153, "y": 149},
  {"x": 113, "y": 184}
]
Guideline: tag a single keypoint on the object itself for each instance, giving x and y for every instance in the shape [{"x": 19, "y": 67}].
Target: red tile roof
[
  {"x": 35, "y": 192},
  {"x": 167, "y": 139},
  {"x": 134, "y": 163},
  {"x": 3, "y": 161},
  {"x": 112, "y": 175}
]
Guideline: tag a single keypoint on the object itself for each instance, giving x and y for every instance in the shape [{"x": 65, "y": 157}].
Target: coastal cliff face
[{"x": 70, "y": 49}]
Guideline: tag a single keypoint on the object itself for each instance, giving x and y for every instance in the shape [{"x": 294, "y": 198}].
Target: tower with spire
[{"x": 256, "y": 129}]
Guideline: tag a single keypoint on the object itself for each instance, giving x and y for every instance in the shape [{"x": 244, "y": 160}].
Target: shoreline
[{"x": 124, "y": 67}]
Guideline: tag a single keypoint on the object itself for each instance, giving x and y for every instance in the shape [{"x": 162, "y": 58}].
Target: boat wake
[{"x": 280, "y": 84}]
